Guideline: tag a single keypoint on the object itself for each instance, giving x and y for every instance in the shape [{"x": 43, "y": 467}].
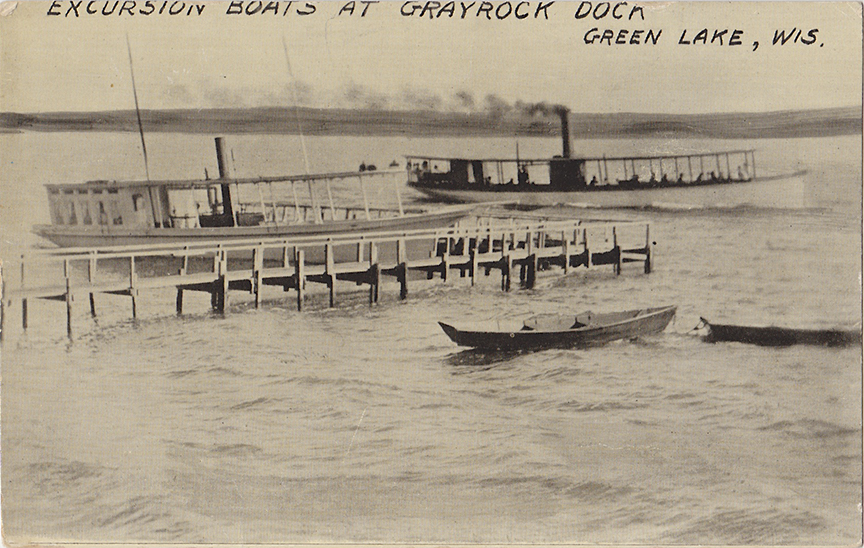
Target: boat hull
[
  {"x": 643, "y": 323},
  {"x": 781, "y": 336},
  {"x": 102, "y": 236},
  {"x": 779, "y": 191}
]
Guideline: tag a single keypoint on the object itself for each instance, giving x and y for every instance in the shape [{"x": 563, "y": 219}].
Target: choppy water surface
[{"x": 367, "y": 425}]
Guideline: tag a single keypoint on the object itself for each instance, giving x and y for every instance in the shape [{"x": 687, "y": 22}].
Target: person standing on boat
[{"x": 523, "y": 175}]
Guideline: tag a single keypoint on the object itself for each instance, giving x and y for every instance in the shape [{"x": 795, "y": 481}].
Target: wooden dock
[{"x": 511, "y": 247}]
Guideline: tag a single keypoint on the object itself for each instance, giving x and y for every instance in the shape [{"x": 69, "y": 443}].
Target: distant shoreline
[{"x": 312, "y": 121}]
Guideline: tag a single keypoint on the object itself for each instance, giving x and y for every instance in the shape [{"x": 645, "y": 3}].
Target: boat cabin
[
  {"x": 555, "y": 174},
  {"x": 159, "y": 204},
  {"x": 562, "y": 173},
  {"x": 209, "y": 203}
]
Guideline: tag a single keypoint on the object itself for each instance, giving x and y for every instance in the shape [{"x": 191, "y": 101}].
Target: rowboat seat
[{"x": 557, "y": 322}]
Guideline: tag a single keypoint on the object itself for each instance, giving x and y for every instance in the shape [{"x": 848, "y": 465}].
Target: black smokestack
[
  {"x": 222, "y": 161},
  {"x": 564, "y": 113}
]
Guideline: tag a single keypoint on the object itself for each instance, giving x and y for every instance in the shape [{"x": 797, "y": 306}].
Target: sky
[{"x": 389, "y": 60}]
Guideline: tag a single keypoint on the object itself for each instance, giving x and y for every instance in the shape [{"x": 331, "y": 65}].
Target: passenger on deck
[
  {"x": 680, "y": 180},
  {"x": 699, "y": 178},
  {"x": 593, "y": 181},
  {"x": 742, "y": 174},
  {"x": 362, "y": 166},
  {"x": 523, "y": 176},
  {"x": 664, "y": 180},
  {"x": 653, "y": 179}
]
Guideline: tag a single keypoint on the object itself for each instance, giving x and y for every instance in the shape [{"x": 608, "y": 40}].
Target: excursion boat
[
  {"x": 111, "y": 213},
  {"x": 567, "y": 331},
  {"x": 715, "y": 179}
]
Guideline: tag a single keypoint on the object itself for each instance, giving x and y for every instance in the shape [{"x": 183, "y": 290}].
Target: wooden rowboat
[
  {"x": 780, "y": 336},
  {"x": 556, "y": 331}
]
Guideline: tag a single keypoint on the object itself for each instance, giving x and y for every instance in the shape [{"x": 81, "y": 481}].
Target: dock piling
[
  {"x": 565, "y": 242},
  {"x": 647, "y": 249},
  {"x": 474, "y": 262},
  {"x": 257, "y": 272},
  {"x": 374, "y": 273},
  {"x": 300, "y": 276},
  {"x": 402, "y": 268},
  {"x": 330, "y": 272},
  {"x": 68, "y": 296},
  {"x": 133, "y": 282},
  {"x": 23, "y": 301},
  {"x": 506, "y": 263},
  {"x": 221, "y": 285},
  {"x": 91, "y": 278},
  {"x": 445, "y": 262}
]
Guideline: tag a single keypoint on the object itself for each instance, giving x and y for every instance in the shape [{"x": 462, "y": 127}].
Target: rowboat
[
  {"x": 567, "y": 331},
  {"x": 780, "y": 336},
  {"x": 227, "y": 208},
  {"x": 726, "y": 178}
]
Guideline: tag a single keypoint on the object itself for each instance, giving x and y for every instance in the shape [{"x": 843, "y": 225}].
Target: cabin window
[
  {"x": 68, "y": 191},
  {"x": 112, "y": 191},
  {"x": 58, "y": 213},
  {"x": 103, "y": 215},
  {"x": 139, "y": 205},
  {"x": 54, "y": 191},
  {"x": 97, "y": 191},
  {"x": 213, "y": 200},
  {"x": 73, "y": 219},
  {"x": 114, "y": 210},
  {"x": 82, "y": 191},
  {"x": 85, "y": 214}
]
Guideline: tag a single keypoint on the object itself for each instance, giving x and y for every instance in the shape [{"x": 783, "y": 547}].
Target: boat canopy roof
[
  {"x": 186, "y": 184},
  {"x": 531, "y": 161}
]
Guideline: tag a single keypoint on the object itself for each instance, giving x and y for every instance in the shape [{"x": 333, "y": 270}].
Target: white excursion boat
[{"x": 111, "y": 213}]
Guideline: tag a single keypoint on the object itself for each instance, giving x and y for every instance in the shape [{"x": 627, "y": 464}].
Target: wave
[
  {"x": 744, "y": 527},
  {"x": 683, "y": 207},
  {"x": 810, "y": 429}
]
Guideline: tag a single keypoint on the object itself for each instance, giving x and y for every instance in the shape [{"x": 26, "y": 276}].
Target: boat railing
[{"x": 287, "y": 213}]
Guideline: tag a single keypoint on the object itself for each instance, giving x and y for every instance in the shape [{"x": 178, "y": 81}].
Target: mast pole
[{"x": 137, "y": 109}]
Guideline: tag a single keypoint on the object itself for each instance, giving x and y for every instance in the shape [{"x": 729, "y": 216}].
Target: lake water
[{"x": 360, "y": 424}]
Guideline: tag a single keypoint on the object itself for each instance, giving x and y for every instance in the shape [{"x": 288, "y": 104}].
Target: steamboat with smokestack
[{"x": 704, "y": 179}]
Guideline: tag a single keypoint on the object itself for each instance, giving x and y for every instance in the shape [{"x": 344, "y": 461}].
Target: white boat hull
[
  {"x": 102, "y": 236},
  {"x": 781, "y": 192}
]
